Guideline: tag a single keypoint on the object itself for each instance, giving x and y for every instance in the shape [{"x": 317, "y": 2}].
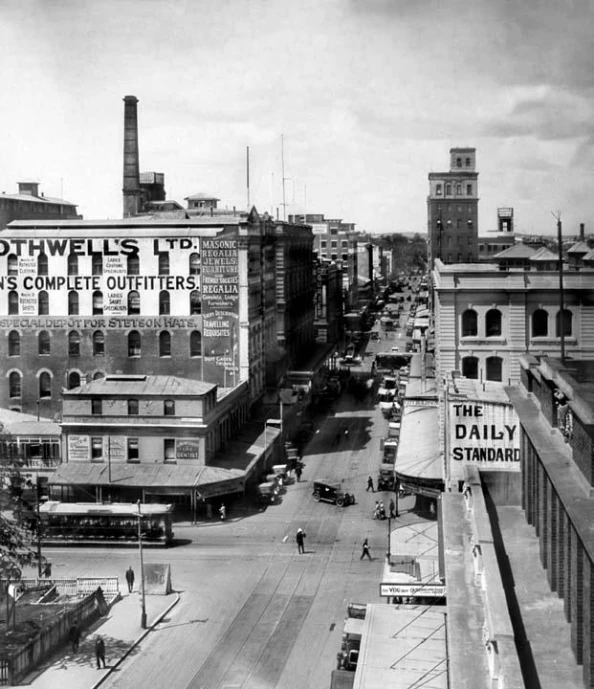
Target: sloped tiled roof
[
  {"x": 544, "y": 254},
  {"x": 519, "y": 250},
  {"x": 579, "y": 248},
  {"x": 17, "y": 423}
]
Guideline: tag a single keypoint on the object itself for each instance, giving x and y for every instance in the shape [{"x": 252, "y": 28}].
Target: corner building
[{"x": 82, "y": 299}]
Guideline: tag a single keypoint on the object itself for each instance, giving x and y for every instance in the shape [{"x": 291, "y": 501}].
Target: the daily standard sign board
[
  {"x": 411, "y": 590},
  {"x": 486, "y": 435}
]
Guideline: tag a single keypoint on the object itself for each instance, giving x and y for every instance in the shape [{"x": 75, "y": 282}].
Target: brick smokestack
[
  {"x": 131, "y": 188},
  {"x": 582, "y": 232}
]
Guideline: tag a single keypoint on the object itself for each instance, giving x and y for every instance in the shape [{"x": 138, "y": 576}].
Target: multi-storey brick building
[
  {"x": 452, "y": 210},
  {"x": 191, "y": 298}
]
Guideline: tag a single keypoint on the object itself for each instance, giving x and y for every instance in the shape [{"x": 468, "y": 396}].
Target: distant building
[
  {"x": 502, "y": 239},
  {"x": 452, "y": 209},
  {"x": 29, "y": 204}
]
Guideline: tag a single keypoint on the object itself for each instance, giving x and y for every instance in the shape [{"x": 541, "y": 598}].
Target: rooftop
[{"x": 161, "y": 386}]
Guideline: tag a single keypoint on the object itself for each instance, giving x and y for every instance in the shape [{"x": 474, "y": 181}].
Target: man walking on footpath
[
  {"x": 392, "y": 509},
  {"x": 130, "y": 578},
  {"x": 370, "y": 485},
  {"x": 298, "y": 471},
  {"x": 300, "y": 538},
  {"x": 365, "y": 550},
  {"x": 100, "y": 652}
]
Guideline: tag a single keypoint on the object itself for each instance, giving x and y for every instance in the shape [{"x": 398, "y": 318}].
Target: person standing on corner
[
  {"x": 130, "y": 578},
  {"x": 392, "y": 509},
  {"x": 74, "y": 636},
  {"x": 100, "y": 652},
  {"x": 365, "y": 550},
  {"x": 370, "y": 485},
  {"x": 223, "y": 512},
  {"x": 300, "y": 538},
  {"x": 298, "y": 471}
]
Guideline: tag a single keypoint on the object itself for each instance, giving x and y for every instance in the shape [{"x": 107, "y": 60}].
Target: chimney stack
[
  {"x": 131, "y": 188},
  {"x": 582, "y": 232}
]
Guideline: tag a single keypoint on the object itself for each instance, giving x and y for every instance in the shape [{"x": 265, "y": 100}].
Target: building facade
[
  {"x": 555, "y": 405},
  {"x": 134, "y": 437},
  {"x": 29, "y": 204},
  {"x": 452, "y": 210},
  {"x": 486, "y": 318}
]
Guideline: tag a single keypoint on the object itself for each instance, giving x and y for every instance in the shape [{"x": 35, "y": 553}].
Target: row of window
[
  {"x": 334, "y": 244},
  {"x": 439, "y": 188},
  {"x": 132, "y": 454},
  {"x": 539, "y": 323},
  {"x": 493, "y": 368},
  {"x": 97, "y": 407},
  {"x": 132, "y": 304},
  {"x": 132, "y": 264},
  {"x": 98, "y": 341}
]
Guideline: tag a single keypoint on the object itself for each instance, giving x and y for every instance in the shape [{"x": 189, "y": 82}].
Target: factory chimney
[
  {"x": 131, "y": 188},
  {"x": 582, "y": 232}
]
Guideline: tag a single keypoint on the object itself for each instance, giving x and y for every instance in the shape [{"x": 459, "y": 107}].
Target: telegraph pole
[{"x": 561, "y": 295}]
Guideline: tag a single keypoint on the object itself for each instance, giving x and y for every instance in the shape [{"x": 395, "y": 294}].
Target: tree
[{"x": 17, "y": 520}]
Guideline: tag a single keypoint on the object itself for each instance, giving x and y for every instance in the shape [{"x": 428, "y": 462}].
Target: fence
[
  {"x": 14, "y": 665},
  {"x": 76, "y": 587}
]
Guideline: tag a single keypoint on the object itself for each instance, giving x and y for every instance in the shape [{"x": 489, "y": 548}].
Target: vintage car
[
  {"x": 268, "y": 493},
  {"x": 332, "y": 492},
  {"x": 385, "y": 478}
]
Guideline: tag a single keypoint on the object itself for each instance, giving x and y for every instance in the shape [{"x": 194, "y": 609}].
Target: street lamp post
[{"x": 142, "y": 595}]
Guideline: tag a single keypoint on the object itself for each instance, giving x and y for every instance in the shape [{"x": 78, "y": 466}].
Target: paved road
[{"x": 253, "y": 612}]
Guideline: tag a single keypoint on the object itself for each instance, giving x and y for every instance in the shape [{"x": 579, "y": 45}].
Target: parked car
[
  {"x": 332, "y": 492},
  {"x": 268, "y": 493}
]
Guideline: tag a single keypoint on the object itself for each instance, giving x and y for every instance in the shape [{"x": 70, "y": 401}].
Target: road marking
[{"x": 285, "y": 538}]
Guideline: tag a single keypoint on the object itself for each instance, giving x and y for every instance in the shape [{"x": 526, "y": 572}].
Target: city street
[{"x": 253, "y": 611}]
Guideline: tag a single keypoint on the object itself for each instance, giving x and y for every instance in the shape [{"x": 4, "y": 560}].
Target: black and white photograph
[{"x": 296, "y": 344}]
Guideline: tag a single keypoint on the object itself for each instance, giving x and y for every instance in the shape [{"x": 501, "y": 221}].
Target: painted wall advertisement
[
  {"x": 486, "y": 435},
  {"x": 187, "y": 449},
  {"x": 220, "y": 307},
  {"x": 78, "y": 448}
]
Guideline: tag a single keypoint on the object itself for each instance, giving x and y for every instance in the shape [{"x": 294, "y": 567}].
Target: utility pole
[
  {"x": 283, "y": 174},
  {"x": 561, "y": 295},
  {"x": 142, "y": 596}
]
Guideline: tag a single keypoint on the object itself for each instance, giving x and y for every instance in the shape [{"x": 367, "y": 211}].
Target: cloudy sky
[{"x": 368, "y": 95}]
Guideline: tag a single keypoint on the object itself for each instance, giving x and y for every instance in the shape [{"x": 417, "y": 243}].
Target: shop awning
[
  {"x": 148, "y": 476},
  {"x": 418, "y": 455}
]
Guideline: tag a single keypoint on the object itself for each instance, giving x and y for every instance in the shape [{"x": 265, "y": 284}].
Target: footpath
[{"x": 122, "y": 633}]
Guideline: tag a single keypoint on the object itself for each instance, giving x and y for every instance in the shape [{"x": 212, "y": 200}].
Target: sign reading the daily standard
[{"x": 485, "y": 435}]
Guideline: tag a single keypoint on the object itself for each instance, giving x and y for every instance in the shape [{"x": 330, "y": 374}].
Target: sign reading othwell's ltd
[{"x": 484, "y": 434}]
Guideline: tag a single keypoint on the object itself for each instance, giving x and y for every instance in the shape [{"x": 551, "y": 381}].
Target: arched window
[
  {"x": 469, "y": 323},
  {"x": 73, "y": 380},
  {"x": 97, "y": 303},
  {"x": 12, "y": 265},
  {"x": 169, "y": 408},
  {"x": 164, "y": 303},
  {"x": 164, "y": 263},
  {"x": 133, "y": 264},
  {"x": 133, "y": 303},
  {"x": 43, "y": 303},
  {"x": 72, "y": 264},
  {"x": 540, "y": 323},
  {"x": 194, "y": 264},
  {"x": 98, "y": 343},
  {"x": 97, "y": 264},
  {"x": 73, "y": 343},
  {"x": 470, "y": 367},
  {"x": 195, "y": 343},
  {"x": 14, "y": 343},
  {"x": 14, "y": 384},
  {"x": 494, "y": 368},
  {"x": 13, "y": 303},
  {"x": 98, "y": 375},
  {"x": 493, "y": 323},
  {"x": 567, "y": 323},
  {"x": 195, "y": 305},
  {"x": 73, "y": 303},
  {"x": 45, "y": 385},
  {"x": 132, "y": 407},
  {"x": 164, "y": 343},
  {"x": 42, "y": 265},
  {"x": 43, "y": 343},
  {"x": 134, "y": 343}
]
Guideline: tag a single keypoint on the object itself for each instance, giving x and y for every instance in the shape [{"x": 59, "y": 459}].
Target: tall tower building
[
  {"x": 131, "y": 180},
  {"x": 452, "y": 209}
]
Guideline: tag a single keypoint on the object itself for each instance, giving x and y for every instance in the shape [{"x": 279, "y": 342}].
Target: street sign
[{"x": 412, "y": 590}]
